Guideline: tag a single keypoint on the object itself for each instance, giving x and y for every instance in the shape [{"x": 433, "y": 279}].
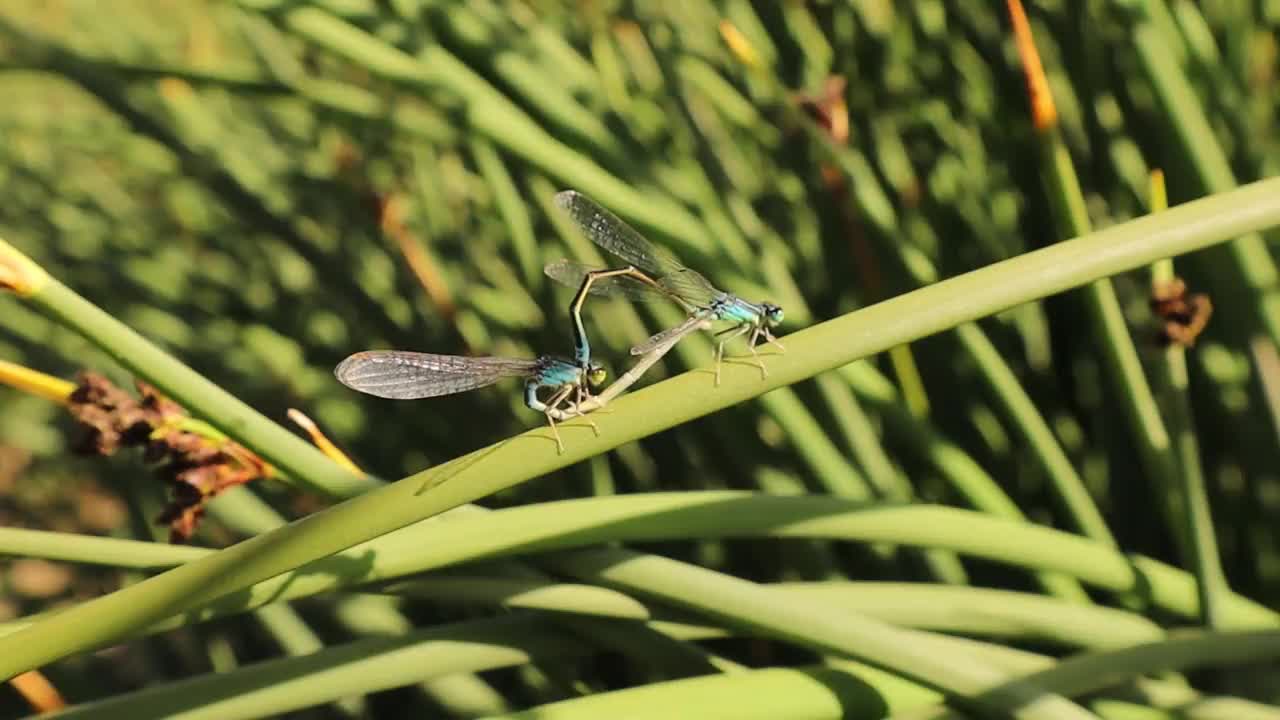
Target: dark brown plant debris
[
  {"x": 1184, "y": 315},
  {"x": 192, "y": 459}
]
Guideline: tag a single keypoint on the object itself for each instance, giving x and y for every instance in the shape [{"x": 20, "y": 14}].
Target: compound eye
[{"x": 595, "y": 376}]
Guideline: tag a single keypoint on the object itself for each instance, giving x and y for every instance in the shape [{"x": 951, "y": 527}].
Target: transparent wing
[
  {"x": 690, "y": 286},
  {"x": 670, "y": 335},
  {"x": 410, "y": 375},
  {"x": 611, "y": 233},
  {"x": 570, "y": 273}
]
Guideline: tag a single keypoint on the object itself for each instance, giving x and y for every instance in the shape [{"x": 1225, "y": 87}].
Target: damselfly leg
[{"x": 725, "y": 336}]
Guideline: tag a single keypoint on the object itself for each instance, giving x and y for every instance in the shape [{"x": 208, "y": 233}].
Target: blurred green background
[{"x": 263, "y": 187}]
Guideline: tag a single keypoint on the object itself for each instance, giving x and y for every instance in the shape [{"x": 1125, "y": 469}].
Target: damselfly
[
  {"x": 401, "y": 375},
  {"x": 664, "y": 276}
]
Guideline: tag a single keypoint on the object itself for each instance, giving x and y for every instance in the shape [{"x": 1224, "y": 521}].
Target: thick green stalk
[
  {"x": 114, "y": 552},
  {"x": 369, "y": 665},
  {"x": 744, "y": 604},
  {"x": 359, "y": 667},
  {"x": 1059, "y": 267},
  {"x": 1091, "y": 672},
  {"x": 279, "y": 686},
  {"x": 521, "y": 594},
  {"x": 469, "y": 536},
  {"x": 941, "y": 608},
  {"x": 1076, "y": 676}
]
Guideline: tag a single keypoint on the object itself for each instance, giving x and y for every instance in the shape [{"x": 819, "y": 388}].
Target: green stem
[
  {"x": 473, "y": 535},
  {"x": 926, "y": 606},
  {"x": 497, "y": 119},
  {"x": 745, "y": 604},
  {"x": 964, "y": 474},
  {"x": 115, "y": 552},
  {"x": 299, "y": 459},
  {"x": 1028, "y": 421},
  {"x": 994, "y": 370},
  {"x": 1119, "y": 354},
  {"x": 823, "y": 347},
  {"x": 1251, "y": 267},
  {"x": 1201, "y": 542}
]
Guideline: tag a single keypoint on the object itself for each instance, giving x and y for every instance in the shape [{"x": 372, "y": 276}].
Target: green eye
[{"x": 596, "y": 375}]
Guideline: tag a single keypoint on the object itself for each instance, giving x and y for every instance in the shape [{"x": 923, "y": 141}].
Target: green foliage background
[{"x": 215, "y": 175}]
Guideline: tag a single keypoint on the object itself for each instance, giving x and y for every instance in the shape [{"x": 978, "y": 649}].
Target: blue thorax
[
  {"x": 555, "y": 372},
  {"x": 735, "y": 309}
]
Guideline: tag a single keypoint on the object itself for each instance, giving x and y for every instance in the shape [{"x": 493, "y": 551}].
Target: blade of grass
[
  {"x": 513, "y": 211},
  {"x": 362, "y": 666},
  {"x": 137, "y": 554},
  {"x": 818, "y": 693},
  {"x": 744, "y": 604},
  {"x": 297, "y": 639},
  {"x": 1170, "y": 374},
  {"x": 1062, "y": 266},
  {"x": 561, "y": 112},
  {"x": 941, "y": 608},
  {"x": 1251, "y": 269},
  {"x": 288, "y": 452},
  {"x": 983, "y": 612},
  {"x": 1093, "y": 671},
  {"x": 887, "y": 483},
  {"x": 1076, "y": 676},
  {"x": 521, "y": 594},
  {"x": 1119, "y": 353},
  {"x": 1003, "y": 383},
  {"x": 498, "y": 119},
  {"x": 370, "y": 665},
  {"x": 221, "y": 179},
  {"x": 1027, "y": 421},
  {"x": 278, "y": 686},
  {"x": 964, "y": 474},
  {"x": 474, "y": 534}
]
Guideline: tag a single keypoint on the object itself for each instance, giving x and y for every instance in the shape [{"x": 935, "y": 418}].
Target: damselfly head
[
  {"x": 596, "y": 374},
  {"x": 772, "y": 314}
]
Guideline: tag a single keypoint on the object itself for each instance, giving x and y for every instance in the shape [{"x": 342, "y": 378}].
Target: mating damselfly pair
[{"x": 647, "y": 272}]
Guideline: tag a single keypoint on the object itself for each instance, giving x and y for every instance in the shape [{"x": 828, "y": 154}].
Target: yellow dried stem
[
  {"x": 326, "y": 446},
  {"x": 35, "y": 382}
]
